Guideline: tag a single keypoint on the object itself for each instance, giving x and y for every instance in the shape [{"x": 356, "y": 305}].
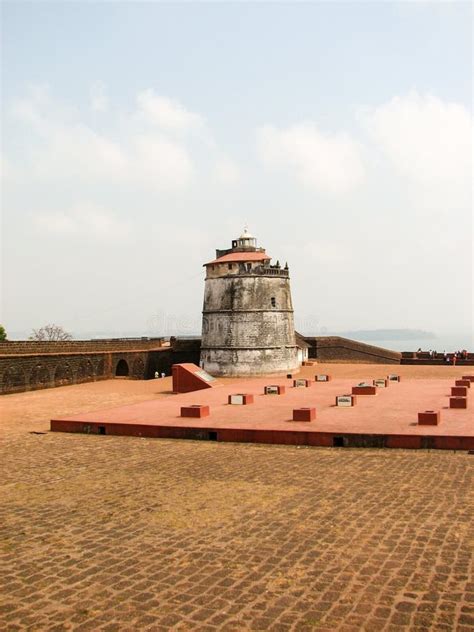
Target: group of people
[
  {"x": 157, "y": 375},
  {"x": 452, "y": 357}
]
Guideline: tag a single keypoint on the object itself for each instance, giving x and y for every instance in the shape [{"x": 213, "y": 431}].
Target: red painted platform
[{"x": 388, "y": 420}]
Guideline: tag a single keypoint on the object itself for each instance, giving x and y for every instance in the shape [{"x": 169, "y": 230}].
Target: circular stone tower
[{"x": 247, "y": 324}]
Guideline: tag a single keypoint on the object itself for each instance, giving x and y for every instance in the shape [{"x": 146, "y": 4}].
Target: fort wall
[
  {"x": 29, "y": 365},
  {"x": 338, "y": 349}
]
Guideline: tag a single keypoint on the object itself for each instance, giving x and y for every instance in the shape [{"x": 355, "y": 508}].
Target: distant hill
[{"x": 387, "y": 334}]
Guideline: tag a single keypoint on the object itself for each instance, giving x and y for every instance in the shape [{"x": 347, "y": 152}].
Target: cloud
[
  {"x": 167, "y": 114},
  {"x": 226, "y": 171},
  {"x": 98, "y": 97},
  {"x": 329, "y": 163},
  {"x": 425, "y": 138},
  {"x": 64, "y": 148},
  {"x": 156, "y": 159},
  {"x": 84, "y": 219}
]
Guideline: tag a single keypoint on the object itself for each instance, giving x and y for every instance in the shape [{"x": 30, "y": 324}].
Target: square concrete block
[
  {"x": 458, "y": 402},
  {"x": 428, "y": 418},
  {"x": 346, "y": 401},
  {"x": 393, "y": 377},
  {"x": 274, "y": 389},
  {"x": 301, "y": 383},
  {"x": 459, "y": 391},
  {"x": 195, "y": 411},
  {"x": 322, "y": 377},
  {"x": 468, "y": 377},
  {"x": 381, "y": 383},
  {"x": 307, "y": 363},
  {"x": 304, "y": 414},
  {"x": 364, "y": 390},
  {"x": 466, "y": 383},
  {"x": 240, "y": 399}
]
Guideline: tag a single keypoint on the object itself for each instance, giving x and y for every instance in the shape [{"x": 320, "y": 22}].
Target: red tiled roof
[{"x": 235, "y": 257}]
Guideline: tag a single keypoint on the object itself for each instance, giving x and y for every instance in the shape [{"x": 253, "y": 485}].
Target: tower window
[
  {"x": 273, "y": 300},
  {"x": 230, "y": 266},
  {"x": 249, "y": 267}
]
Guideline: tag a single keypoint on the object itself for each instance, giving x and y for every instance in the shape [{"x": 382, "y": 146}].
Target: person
[
  {"x": 157, "y": 375},
  {"x": 163, "y": 375}
]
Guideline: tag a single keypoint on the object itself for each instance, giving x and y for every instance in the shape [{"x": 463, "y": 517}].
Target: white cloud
[
  {"x": 63, "y": 147},
  {"x": 167, "y": 114},
  {"x": 425, "y": 138},
  {"x": 98, "y": 97},
  {"x": 158, "y": 160},
  {"x": 84, "y": 219},
  {"x": 226, "y": 171},
  {"x": 330, "y": 163}
]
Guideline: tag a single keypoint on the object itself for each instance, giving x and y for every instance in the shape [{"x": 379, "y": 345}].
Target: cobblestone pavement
[{"x": 121, "y": 533}]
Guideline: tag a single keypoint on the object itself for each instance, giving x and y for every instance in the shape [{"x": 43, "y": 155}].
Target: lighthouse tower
[{"x": 247, "y": 323}]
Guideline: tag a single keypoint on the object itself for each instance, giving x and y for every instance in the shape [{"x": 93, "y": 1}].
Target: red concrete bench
[
  {"x": 466, "y": 383},
  {"x": 195, "y": 411},
  {"x": 428, "y": 418},
  {"x": 458, "y": 402},
  {"x": 459, "y": 391},
  {"x": 468, "y": 377},
  {"x": 364, "y": 390},
  {"x": 304, "y": 414},
  {"x": 381, "y": 383}
]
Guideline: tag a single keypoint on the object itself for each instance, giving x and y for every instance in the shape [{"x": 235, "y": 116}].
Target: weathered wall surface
[
  {"x": 16, "y": 347},
  {"x": 248, "y": 326},
  {"x": 337, "y": 349},
  {"x": 29, "y": 366},
  {"x": 26, "y": 365}
]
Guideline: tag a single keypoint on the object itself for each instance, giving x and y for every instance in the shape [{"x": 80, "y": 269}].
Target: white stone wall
[{"x": 244, "y": 331}]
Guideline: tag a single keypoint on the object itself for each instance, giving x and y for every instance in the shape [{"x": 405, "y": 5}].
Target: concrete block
[
  {"x": 301, "y": 383},
  {"x": 323, "y": 377},
  {"x": 381, "y": 383},
  {"x": 346, "y": 401},
  {"x": 240, "y": 399},
  {"x": 466, "y": 383},
  {"x": 428, "y": 418},
  {"x": 364, "y": 389},
  {"x": 458, "y": 402},
  {"x": 393, "y": 378},
  {"x": 274, "y": 389},
  {"x": 468, "y": 377},
  {"x": 304, "y": 414},
  {"x": 195, "y": 411},
  {"x": 459, "y": 391}
]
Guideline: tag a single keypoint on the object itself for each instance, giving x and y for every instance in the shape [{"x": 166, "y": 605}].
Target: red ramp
[{"x": 189, "y": 377}]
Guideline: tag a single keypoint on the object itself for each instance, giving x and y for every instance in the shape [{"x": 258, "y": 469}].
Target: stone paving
[{"x": 121, "y": 533}]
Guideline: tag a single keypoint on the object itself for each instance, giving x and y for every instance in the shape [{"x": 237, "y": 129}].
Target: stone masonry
[{"x": 247, "y": 326}]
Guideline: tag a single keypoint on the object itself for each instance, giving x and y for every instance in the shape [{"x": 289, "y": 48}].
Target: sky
[{"x": 139, "y": 137}]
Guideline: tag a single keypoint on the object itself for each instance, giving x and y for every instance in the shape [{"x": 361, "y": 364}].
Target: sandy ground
[{"x": 123, "y": 533}]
